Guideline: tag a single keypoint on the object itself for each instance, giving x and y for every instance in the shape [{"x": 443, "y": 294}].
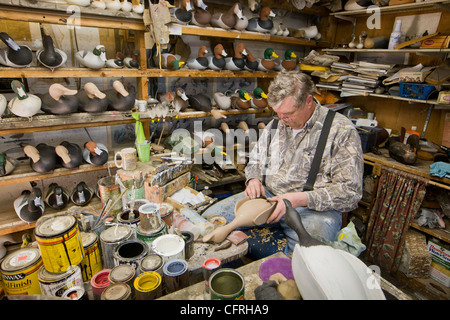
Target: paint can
[
  {"x": 123, "y": 273},
  {"x": 130, "y": 252},
  {"x": 117, "y": 291},
  {"x": 54, "y": 284},
  {"x": 208, "y": 267},
  {"x": 152, "y": 262},
  {"x": 147, "y": 286},
  {"x": 176, "y": 275},
  {"x": 188, "y": 238},
  {"x": 138, "y": 203},
  {"x": 99, "y": 282},
  {"x": 110, "y": 238},
  {"x": 75, "y": 293},
  {"x": 169, "y": 247},
  {"x": 226, "y": 284},
  {"x": 149, "y": 237},
  {"x": 19, "y": 271},
  {"x": 92, "y": 262},
  {"x": 150, "y": 217},
  {"x": 109, "y": 189},
  {"x": 59, "y": 241},
  {"x": 166, "y": 212},
  {"x": 129, "y": 217}
]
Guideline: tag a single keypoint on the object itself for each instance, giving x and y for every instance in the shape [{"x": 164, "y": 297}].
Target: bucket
[
  {"x": 108, "y": 189},
  {"x": 130, "y": 252},
  {"x": 75, "y": 293},
  {"x": 149, "y": 237},
  {"x": 110, "y": 238},
  {"x": 123, "y": 273},
  {"x": 148, "y": 286},
  {"x": 99, "y": 282},
  {"x": 129, "y": 217},
  {"x": 188, "y": 238},
  {"x": 166, "y": 212},
  {"x": 226, "y": 284},
  {"x": 92, "y": 262},
  {"x": 117, "y": 291},
  {"x": 176, "y": 275},
  {"x": 169, "y": 247},
  {"x": 19, "y": 271},
  {"x": 150, "y": 217},
  {"x": 55, "y": 284},
  {"x": 59, "y": 242}
]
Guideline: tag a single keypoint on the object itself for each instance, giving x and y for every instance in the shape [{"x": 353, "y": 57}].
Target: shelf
[
  {"x": 401, "y": 8},
  {"x": 441, "y": 234},
  {"x": 404, "y": 50}
]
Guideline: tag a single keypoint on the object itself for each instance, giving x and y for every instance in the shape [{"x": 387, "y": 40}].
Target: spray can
[{"x": 396, "y": 35}]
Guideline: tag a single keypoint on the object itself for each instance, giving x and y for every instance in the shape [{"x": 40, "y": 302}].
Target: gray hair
[{"x": 290, "y": 84}]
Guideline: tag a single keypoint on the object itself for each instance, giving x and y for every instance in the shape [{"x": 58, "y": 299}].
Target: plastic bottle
[
  {"x": 396, "y": 35},
  {"x": 205, "y": 226},
  {"x": 410, "y": 132}
]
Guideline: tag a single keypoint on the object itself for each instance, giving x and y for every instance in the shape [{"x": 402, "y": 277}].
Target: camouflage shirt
[{"x": 339, "y": 180}]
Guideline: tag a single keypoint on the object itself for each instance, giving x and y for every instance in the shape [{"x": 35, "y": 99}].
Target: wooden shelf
[
  {"x": 441, "y": 234},
  {"x": 404, "y": 50}
]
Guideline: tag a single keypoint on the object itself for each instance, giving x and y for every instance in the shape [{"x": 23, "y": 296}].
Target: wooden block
[{"x": 416, "y": 258}]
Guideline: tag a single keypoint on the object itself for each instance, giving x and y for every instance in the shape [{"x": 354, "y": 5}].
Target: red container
[{"x": 99, "y": 282}]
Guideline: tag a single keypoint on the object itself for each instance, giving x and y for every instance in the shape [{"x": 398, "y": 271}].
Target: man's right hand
[{"x": 254, "y": 189}]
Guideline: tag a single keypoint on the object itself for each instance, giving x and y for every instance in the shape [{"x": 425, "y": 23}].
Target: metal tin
[
  {"x": 59, "y": 242},
  {"x": 117, "y": 291},
  {"x": 149, "y": 237},
  {"x": 176, "y": 275},
  {"x": 166, "y": 213},
  {"x": 75, "y": 293},
  {"x": 19, "y": 271},
  {"x": 109, "y": 189},
  {"x": 110, "y": 238},
  {"x": 54, "y": 284},
  {"x": 208, "y": 267},
  {"x": 130, "y": 252},
  {"x": 226, "y": 284},
  {"x": 188, "y": 238},
  {"x": 99, "y": 282},
  {"x": 129, "y": 217},
  {"x": 152, "y": 262},
  {"x": 148, "y": 286},
  {"x": 92, "y": 262},
  {"x": 169, "y": 247},
  {"x": 150, "y": 217},
  {"x": 123, "y": 273}
]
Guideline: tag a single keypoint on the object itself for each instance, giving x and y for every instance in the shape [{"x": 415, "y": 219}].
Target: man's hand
[
  {"x": 297, "y": 199},
  {"x": 254, "y": 189}
]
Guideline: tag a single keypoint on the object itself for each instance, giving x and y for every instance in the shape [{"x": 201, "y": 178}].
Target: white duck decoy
[
  {"x": 3, "y": 104},
  {"x": 117, "y": 62},
  {"x": 49, "y": 56},
  {"x": 29, "y": 206},
  {"x": 222, "y": 100},
  {"x": 81, "y": 3},
  {"x": 98, "y": 4},
  {"x": 95, "y": 59},
  {"x": 113, "y": 5},
  {"x": 138, "y": 8},
  {"x": 126, "y": 6},
  {"x": 23, "y": 104},
  {"x": 14, "y": 55},
  {"x": 95, "y": 153}
]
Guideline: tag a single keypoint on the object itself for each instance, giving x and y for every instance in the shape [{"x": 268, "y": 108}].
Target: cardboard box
[
  {"x": 177, "y": 206},
  {"x": 413, "y": 77},
  {"x": 444, "y": 97},
  {"x": 440, "y": 269},
  {"x": 437, "y": 42}
]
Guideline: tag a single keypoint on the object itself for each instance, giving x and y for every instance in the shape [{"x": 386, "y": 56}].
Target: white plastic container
[{"x": 396, "y": 35}]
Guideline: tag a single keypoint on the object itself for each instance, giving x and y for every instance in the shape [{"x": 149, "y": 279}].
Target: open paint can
[
  {"x": 150, "y": 217},
  {"x": 148, "y": 286},
  {"x": 176, "y": 275},
  {"x": 110, "y": 238},
  {"x": 117, "y": 291},
  {"x": 169, "y": 247},
  {"x": 92, "y": 262},
  {"x": 130, "y": 252},
  {"x": 129, "y": 217},
  {"x": 226, "y": 284},
  {"x": 208, "y": 267},
  {"x": 99, "y": 282}
]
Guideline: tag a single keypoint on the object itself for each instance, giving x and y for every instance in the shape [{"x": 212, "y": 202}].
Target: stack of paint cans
[
  {"x": 151, "y": 225},
  {"x": 125, "y": 274}
]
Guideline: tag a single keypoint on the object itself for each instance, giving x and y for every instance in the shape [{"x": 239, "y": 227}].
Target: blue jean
[{"x": 320, "y": 224}]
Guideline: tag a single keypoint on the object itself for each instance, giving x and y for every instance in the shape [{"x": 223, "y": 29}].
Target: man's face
[{"x": 294, "y": 116}]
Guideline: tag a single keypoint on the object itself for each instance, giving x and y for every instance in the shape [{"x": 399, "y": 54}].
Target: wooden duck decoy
[
  {"x": 222, "y": 100},
  {"x": 262, "y": 23},
  {"x": 169, "y": 61},
  {"x": 3, "y": 104},
  {"x": 98, "y": 4},
  {"x": 43, "y": 158},
  {"x": 200, "y": 17},
  {"x": 241, "y": 99},
  {"x": 132, "y": 62},
  {"x": 259, "y": 99},
  {"x": 81, "y": 194},
  {"x": 117, "y": 62},
  {"x": 56, "y": 197},
  {"x": 200, "y": 102},
  {"x": 250, "y": 61},
  {"x": 95, "y": 153},
  {"x": 119, "y": 98},
  {"x": 237, "y": 62},
  {"x": 403, "y": 153},
  {"x": 91, "y": 99},
  {"x": 199, "y": 63},
  {"x": 183, "y": 14},
  {"x": 82, "y": 3},
  {"x": 14, "y": 55},
  {"x": 70, "y": 154},
  {"x": 59, "y": 100},
  {"x": 227, "y": 20},
  {"x": 113, "y": 5},
  {"x": 217, "y": 61},
  {"x": 23, "y": 104},
  {"x": 49, "y": 56},
  {"x": 290, "y": 60},
  {"x": 241, "y": 23},
  {"x": 138, "y": 8},
  {"x": 29, "y": 206},
  {"x": 267, "y": 63},
  {"x": 179, "y": 99},
  {"x": 95, "y": 59},
  {"x": 126, "y": 6},
  {"x": 7, "y": 164}
]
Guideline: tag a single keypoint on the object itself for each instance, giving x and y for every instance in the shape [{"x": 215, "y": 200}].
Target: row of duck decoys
[
  {"x": 242, "y": 59},
  {"x": 19, "y": 56},
  {"x": 61, "y": 100},
  {"x": 115, "y": 5},
  {"x": 30, "y": 205}
]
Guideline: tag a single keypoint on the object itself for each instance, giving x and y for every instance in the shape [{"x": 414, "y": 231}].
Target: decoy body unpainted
[
  {"x": 263, "y": 22},
  {"x": 14, "y": 55},
  {"x": 217, "y": 61},
  {"x": 70, "y": 153},
  {"x": 222, "y": 100},
  {"x": 23, "y": 104},
  {"x": 29, "y": 206},
  {"x": 95, "y": 59},
  {"x": 91, "y": 99},
  {"x": 3, "y": 104},
  {"x": 49, "y": 56},
  {"x": 119, "y": 98},
  {"x": 200, "y": 62},
  {"x": 227, "y": 20},
  {"x": 43, "y": 158},
  {"x": 59, "y": 100}
]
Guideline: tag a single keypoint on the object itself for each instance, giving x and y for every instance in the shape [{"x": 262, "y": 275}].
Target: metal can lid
[
  {"x": 151, "y": 262},
  {"x": 121, "y": 273},
  {"x": 116, "y": 291},
  {"x": 88, "y": 238},
  {"x": 53, "y": 226},
  {"x": 45, "y": 276},
  {"x": 116, "y": 233},
  {"x": 20, "y": 259}
]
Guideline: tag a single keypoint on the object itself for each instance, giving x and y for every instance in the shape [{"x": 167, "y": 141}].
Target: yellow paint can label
[{"x": 92, "y": 262}]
